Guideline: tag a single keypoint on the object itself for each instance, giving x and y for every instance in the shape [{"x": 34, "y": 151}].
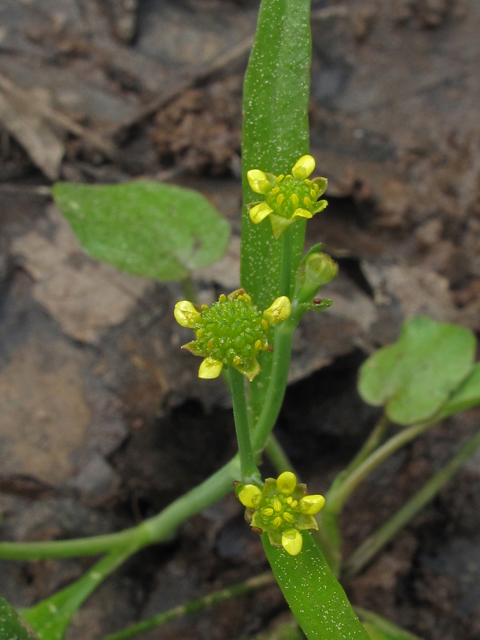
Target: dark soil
[{"x": 103, "y": 420}]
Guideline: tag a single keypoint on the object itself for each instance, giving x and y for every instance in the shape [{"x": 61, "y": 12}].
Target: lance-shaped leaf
[
  {"x": 149, "y": 229},
  {"x": 415, "y": 376},
  {"x": 314, "y": 595},
  {"x": 12, "y": 627},
  {"x": 275, "y": 136}
]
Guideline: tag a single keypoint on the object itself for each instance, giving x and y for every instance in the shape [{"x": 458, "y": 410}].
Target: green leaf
[
  {"x": 314, "y": 595},
  {"x": 415, "y": 376},
  {"x": 275, "y": 136},
  {"x": 51, "y": 617},
  {"x": 465, "y": 397},
  {"x": 148, "y": 229},
  {"x": 382, "y": 629},
  {"x": 12, "y": 627}
]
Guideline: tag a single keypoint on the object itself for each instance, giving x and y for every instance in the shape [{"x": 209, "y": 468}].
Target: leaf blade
[
  {"x": 148, "y": 229},
  {"x": 313, "y": 593},
  {"x": 416, "y": 375}
]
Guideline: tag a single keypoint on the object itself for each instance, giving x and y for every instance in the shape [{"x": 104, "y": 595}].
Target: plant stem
[
  {"x": 253, "y": 584},
  {"x": 188, "y": 289},
  {"x": 337, "y": 495},
  {"x": 50, "y": 617},
  {"x": 386, "y": 532},
  {"x": 278, "y": 384},
  {"x": 278, "y": 457},
  {"x": 215, "y": 487},
  {"x": 249, "y": 469},
  {"x": 286, "y": 264},
  {"x": 372, "y": 442}
]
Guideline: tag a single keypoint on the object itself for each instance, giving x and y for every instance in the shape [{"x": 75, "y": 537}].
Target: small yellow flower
[
  {"x": 284, "y": 194},
  {"x": 231, "y": 332},
  {"x": 282, "y": 509}
]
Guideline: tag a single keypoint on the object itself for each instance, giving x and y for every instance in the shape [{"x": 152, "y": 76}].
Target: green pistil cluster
[
  {"x": 231, "y": 332},
  {"x": 282, "y": 509},
  {"x": 290, "y": 194}
]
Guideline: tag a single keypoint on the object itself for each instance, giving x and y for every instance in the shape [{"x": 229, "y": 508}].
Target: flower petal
[
  {"x": 292, "y": 541},
  {"x": 286, "y": 482},
  {"x": 210, "y": 369},
  {"x": 303, "y": 167},
  {"x": 279, "y": 310},
  {"x": 250, "y": 495},
  {"x": 258, "y": 181},
  {"x": 311, "y": 504},
  {"x": 185, "y": 314},
  {"x": 259, "y": 212},
  {"x": 302, "y": 213}
]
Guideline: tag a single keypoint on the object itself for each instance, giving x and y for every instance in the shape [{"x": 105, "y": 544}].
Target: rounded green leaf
[
  {"x": 12, "y": 627},
  {"x": 466, "y": 396},
  {"x": 415, "y": 376},
  {"x": 148, "y": 229}
]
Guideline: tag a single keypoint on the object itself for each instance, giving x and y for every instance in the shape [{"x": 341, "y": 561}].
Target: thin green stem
[
  {"x": 50, "y": 617},
  {"x": 219, "y": 484},
  {"x": 249, "y": 469},
  {"x": 277, "y": 386},
  {"x": 188, "y": 289},
  {"x": 278, "y": 457},
  {"x": 386, "y": 532},
  {"x": 286, "y": 264},
  {"x": 372, "y": 442},
  {"x": 253, "y": 584},
  {"x": 337, "y": 495}
]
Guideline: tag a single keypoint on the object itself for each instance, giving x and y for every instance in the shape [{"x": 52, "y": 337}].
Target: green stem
[
  {"x": 219, "y": 484},
  {"x": 253, "y": 584},
  {"x": 152, "y": 530},
  {"x": 337, "y": 495},
  {"x": 188, "y": 289},
  {"x": 249, "y": 470},
  {"x": 278, "y": 457},
  {"x": 277, "y": 386},
  {"x": 50, "y": 617},
  {"x": 386, "y": 532},
  {"x": 372, "y": 442},
  {"x": 286, "y": 263}
]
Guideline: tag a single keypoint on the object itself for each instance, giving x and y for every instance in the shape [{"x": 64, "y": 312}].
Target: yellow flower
[
  {"x": 287, "y": 197},
  {"x": 231, "y": 332},
  {"x": 282, "y": 509}
]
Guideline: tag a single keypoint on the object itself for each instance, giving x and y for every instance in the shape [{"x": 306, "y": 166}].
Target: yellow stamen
[
  {"x": 278, "y": 521},
  {"x": 277, "y": 505}
]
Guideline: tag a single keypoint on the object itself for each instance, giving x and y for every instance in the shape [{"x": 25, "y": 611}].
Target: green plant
[{"x": 165, "y": 232}]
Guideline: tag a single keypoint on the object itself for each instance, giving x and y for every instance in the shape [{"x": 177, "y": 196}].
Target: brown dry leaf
[
  {"x": 83, "y": 295},
  {"x": 44, "y": 146}
]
